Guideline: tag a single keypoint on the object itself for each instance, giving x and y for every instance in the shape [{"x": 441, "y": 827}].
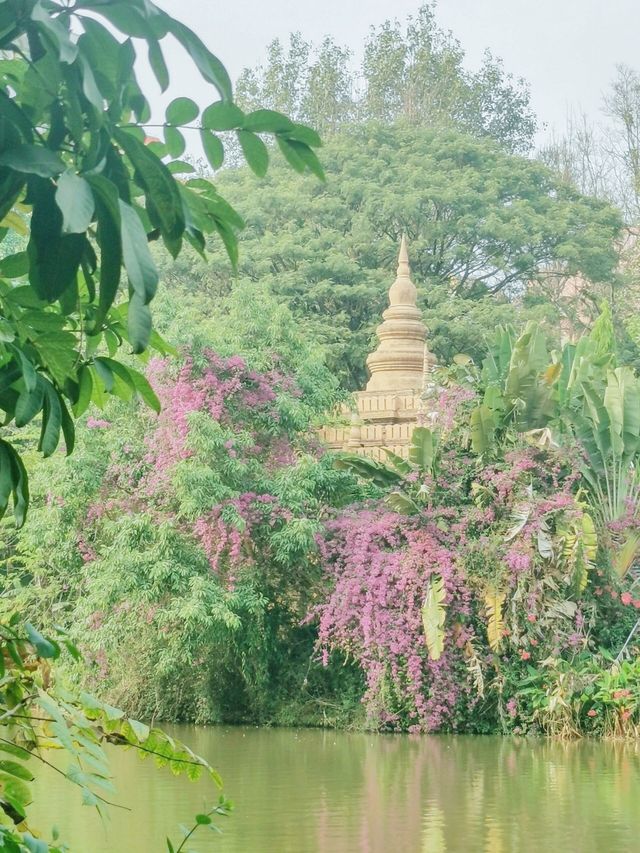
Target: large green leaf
[
  {"x": 212, "y": 147},
  {"x": 158, "y": 64},
  {"x": 29, "y": 404},
  {"x": 175, "y": 141},
  {"x": 138, "y": 323},
  {"x": 626, "y": 555},
  {"x": 85, "y": 390},
  {"x": 433, "y": 616},
  {"x": 255, "y": 151},
  {"x": 402, "y": 503},
  {"x": 54, "y": 258},
  {"x": 51, "y": 422},
  {"x": 494, "y": 601},
  {"x": 622, "y": 402},
  {"x": 14, "y": 482},
  {"x": 14, "y": 266},
  {"x": 301, "y": 153},
  {"x": 15, "y": 792},
  {"x": 369, "y": 469},
  {"x": 32, "y": 159},
  {"x": 44, "y": 648},
  {"x": 222, "y": 115},
  {"x": 158, "y": 184},
  {"x": 209, "y": 65},
  {"x": 110, "y": 242},
  {"x": 144, "y": 389},
  {"x": 267, "y": 121},
  {"x": 75, "y": 200},
  {"x": 398, "y": 462},
  {"x": 182, "y": 111},
  {"x": 58, "y": 354},
  {"x": 483, "y": 428},
  {"x": 141, "y": 269},
  {"x": 422, "y": 448},
  {"x": 67, "y": 48}
]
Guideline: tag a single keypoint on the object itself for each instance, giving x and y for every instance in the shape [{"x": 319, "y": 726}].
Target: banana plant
[
  {"x": 405, "y": 476},
  {"x": 578, "y": 395},
  {"x": 532, "y": 390},
  {"x": 579, "y": 550},
  {"x": 608, "y": 429},
  {"x": 518, "y": 375},
  {"x": 494, "y": 600},
  {"x": 433, "y": 616}
]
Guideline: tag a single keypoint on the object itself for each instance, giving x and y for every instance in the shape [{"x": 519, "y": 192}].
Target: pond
[{"x": 310, "y": 791}]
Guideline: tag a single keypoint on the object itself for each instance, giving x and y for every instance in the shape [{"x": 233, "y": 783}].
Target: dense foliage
[
  {"x": 83, "y": 191},
  {"x": 191, "y": 535},
  {"x": 486, "y": 583},
  {"x": 513, "y": 563},
  {"x": 418, "y": 74},
  {"x": 80, "y": 179},
  {"x": 481, "y": 225}
]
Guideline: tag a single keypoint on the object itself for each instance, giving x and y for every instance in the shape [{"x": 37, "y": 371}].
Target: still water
[{"x": 308, "y": 791}]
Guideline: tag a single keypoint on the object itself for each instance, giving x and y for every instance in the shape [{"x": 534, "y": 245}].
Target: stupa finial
[
  {"x": 403, "y": 258},
  {"x": 403, "y": 290},
  {"x": 398, "y": 362}
]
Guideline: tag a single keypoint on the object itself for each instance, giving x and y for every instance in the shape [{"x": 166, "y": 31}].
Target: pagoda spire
[
  {"x": 403, "y": 258},
  {"x": 398, "y": 362}
]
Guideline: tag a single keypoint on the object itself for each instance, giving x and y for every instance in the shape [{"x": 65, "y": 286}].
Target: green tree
[
  {"x": 414, "y": 73},
  {"x": 482, "y": 224},
  {"x": 86, "y": 189},
  {"x": 302, "y": 80},
  {"x": 153, "y": 579},
  {"x": 76, "y": 163}
]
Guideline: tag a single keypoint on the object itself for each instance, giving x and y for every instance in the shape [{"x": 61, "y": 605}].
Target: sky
[{"x": 566, "y": 49}]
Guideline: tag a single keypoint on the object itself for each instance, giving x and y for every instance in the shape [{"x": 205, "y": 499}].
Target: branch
[{"x": 61, "y": 772}]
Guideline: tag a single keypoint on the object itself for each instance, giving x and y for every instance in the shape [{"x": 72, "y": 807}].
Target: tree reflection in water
[{"x": 315, "y": 791}]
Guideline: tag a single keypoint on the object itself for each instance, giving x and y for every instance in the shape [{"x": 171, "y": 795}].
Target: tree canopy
[
  {"x": 416, "y": 73},
  {"x": 481, "y": 223},
  {"x": 80, "y": 180}
]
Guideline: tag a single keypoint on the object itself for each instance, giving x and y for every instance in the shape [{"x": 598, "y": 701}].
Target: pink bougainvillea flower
[
  {"x": 626, "y": 598},
  {"x": 621, "y": 694},
  {"x": 531, "y": 617},
  {"x": 592, "y": 713},
  {"x": 636, "y": 603},
  {"x": 524, "y": 655},
  {"x": 97, "y": 423}
]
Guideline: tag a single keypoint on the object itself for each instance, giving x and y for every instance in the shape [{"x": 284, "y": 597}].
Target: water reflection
[{"x": 323, "y": 792}]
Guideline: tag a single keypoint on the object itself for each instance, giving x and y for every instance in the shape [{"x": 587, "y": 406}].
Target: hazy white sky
[{"x": 566, "y": 49}]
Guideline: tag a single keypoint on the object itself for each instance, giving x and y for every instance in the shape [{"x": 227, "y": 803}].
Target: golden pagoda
[{"x": 400, "y": 369}]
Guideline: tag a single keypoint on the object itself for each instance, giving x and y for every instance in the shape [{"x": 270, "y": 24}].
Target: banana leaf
[
  {"x": 433, "y": 616},
  {"x": 422, "y": 449},
  {"x": 493, "y": 601}
]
